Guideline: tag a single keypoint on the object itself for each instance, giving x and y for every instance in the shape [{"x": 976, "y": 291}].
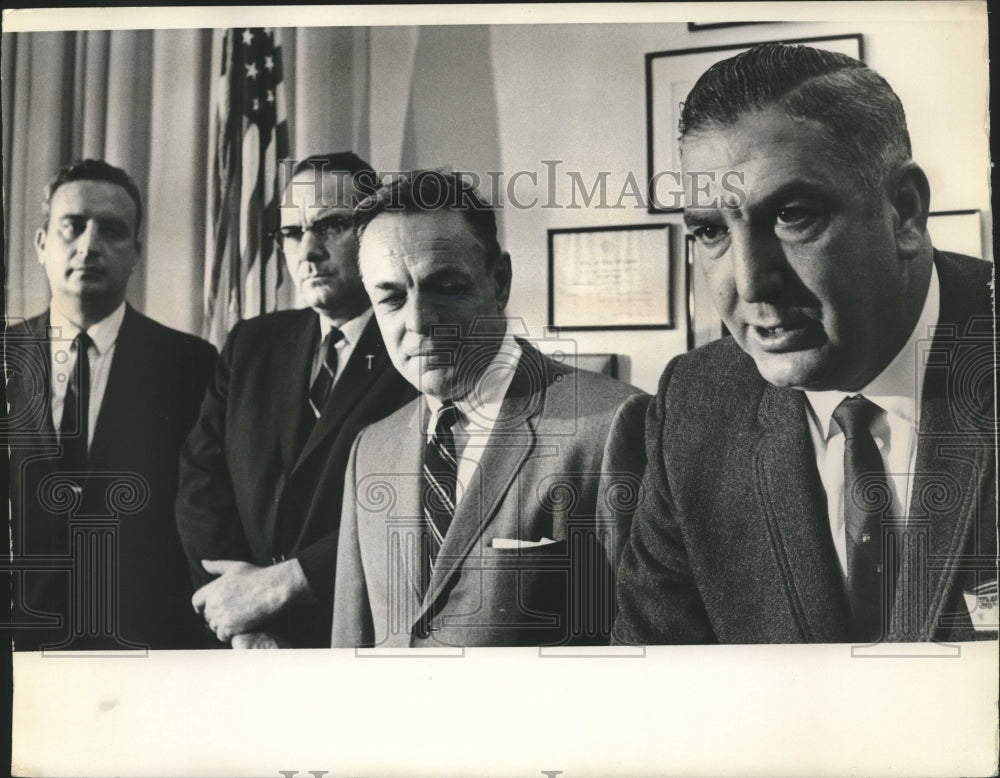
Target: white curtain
[{"x": 142, "y": 100}]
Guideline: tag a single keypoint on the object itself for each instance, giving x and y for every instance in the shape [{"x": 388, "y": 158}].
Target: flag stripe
[{"x": 251, "y": 135}]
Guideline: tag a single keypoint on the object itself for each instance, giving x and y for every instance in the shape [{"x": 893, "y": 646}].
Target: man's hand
[
  {"x": 258, "y": 640},
  {"x": 244, "y": 596}
]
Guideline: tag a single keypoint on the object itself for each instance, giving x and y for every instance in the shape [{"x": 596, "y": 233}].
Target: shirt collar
[
  {"x": 104, "y": 333},
  {"x": 485, "y": 400},
  {"x": 899, "y": 388},
  {"x": 351, "y": 330}
]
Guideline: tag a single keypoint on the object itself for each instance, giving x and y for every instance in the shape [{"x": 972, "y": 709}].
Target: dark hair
[
  {"x": 364, "y": 176},
  {"x": 864, "y": 118},
  {"x": 93, "y": 170},
  {"x": 432, "y": 190}
]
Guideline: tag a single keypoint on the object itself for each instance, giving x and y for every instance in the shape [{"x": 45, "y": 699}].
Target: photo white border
[{"x": 760, "y": 710}]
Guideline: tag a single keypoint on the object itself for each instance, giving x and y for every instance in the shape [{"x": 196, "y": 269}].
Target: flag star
[
  {"x": 269, "y": 63},
  {"x": 270, "y": 96},
  {"x": 251, "y": 70},
  {"x": 247, "y": 37},
  {"x": 269, "y": 31},
  {"x": 256, "y": 104}
]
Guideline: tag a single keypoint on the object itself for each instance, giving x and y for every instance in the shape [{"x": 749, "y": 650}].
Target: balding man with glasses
[{"x": 262, "y": 472}]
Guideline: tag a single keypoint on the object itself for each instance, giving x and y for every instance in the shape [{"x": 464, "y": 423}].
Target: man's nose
[
  {"x": 90, "y": 240},
  {"x": 758, "y": 264},
  {"x": 421, "y": 315},
  {"x": 313, "y": 249}
]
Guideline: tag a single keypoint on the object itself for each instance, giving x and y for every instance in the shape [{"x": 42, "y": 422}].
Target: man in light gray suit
[{"x": 485, "y": 512}]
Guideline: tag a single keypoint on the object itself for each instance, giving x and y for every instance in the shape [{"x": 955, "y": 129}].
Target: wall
[
  {"x": 576, "y": 93},
  {"x": 571, "y": 98},
  {"x": 500, "y": 99}
]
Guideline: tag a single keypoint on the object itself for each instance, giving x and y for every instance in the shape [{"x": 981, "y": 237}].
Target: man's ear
[
  {"x": 910, "y": 196},
  {"x": 40, "y": 245},
  {"x": 502, "y": 277}
]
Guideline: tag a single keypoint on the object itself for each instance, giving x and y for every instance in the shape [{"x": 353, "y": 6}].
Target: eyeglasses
[{"x": 324, "y": 229}]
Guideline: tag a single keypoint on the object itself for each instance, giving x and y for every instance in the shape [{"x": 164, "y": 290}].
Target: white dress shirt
[
  {"x": 62, "y": 362},
  {"x": 351, "y": 331},
  {"x": 897, "y": 391},
  {"x": 479, "y": 411}
]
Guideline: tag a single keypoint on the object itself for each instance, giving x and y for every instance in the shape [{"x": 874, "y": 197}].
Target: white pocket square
[
  {"x": 982, "y": 605},
  {"x": 517, "y": 543}
]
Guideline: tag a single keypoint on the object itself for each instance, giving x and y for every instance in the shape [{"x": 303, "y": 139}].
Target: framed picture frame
[
  {"x": 958, "y": 231},
  {"x": 701, "y": 26},
  {"x": 703, "y": 322},
  {"x": 611, "y": 278},
  {"x": 606, "y": 363},
  {"x": 670, "y": 75}
]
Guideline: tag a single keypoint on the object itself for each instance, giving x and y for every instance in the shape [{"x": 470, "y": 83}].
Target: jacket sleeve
[
  {"x": 207, "y": 518},
  {"x": 389, "y": 392},
  {"x": 658, "y": 601},
  {"x": 352, "y": 618},
  {"x": 621, "y": 472}
]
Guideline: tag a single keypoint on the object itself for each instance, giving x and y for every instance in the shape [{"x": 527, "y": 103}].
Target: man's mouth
[
  {"x": 87, "y": 271},
  {"x": 435, "y": 356},
  {"x": 791, "y": 335}
]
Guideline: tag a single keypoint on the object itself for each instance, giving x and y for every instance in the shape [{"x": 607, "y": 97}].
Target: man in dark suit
[
  {"x": 827, "y": 474},
  {"x": 262, "y": 471},
  {"x": 101, "y": 398},
  {"x": 484, "y": 512}
]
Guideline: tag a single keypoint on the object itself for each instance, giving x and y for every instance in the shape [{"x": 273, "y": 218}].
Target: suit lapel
[
  {"x": 294, "y": 347},
  {"x": 946, "y": 469},
  {"x": 797, "y": 518},
  {"x": 498, "y": 468},
  {"x": 28, "y": 387},
  {"x": 408, "y": 466},
  {"x": 352, "y": 385},
  {"x": 955, "y": 451}
]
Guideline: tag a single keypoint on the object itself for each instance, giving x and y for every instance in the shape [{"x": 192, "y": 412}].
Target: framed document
[
  {"x": 610, "y": 278},
  {"x": 958, "y": 231},
  {"x": 670, "y": 75}
]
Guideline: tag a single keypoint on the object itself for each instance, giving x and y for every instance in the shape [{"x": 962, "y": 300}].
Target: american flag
[{"x": 250, "y": 136}]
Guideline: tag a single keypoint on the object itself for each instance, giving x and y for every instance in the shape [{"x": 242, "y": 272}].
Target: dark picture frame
[
  {"x": 611, "y": 278},
  {"x": 958, "y": 231},
  {"x": 670, "y": 73},
  {"x": 702, "y": 26},
  {"x": 703, "y": 322}
]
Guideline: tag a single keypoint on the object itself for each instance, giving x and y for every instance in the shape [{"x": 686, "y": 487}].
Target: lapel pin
[{"x": 369, "y": 357}]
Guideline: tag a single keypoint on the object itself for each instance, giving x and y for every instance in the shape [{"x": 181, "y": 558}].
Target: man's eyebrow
[
  {"x": 444, "y": 275},
  {"x": 389, "y": 286},
  {"x": 97, "y": 217},
  {"x": 800, "y": 187},
  {"x": 700, "y": 216},
  {"x": 106, "y": 219}
]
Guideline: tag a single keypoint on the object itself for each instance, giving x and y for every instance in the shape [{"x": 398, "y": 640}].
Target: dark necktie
[
  {"x": 74, "y": 428},
  {"x": 866, "y": 500},
  {"x": 319, "y": 392},
  {"x": 440, "y": 478}
]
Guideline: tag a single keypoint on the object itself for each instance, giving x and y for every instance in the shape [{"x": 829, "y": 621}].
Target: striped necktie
[
  {"x": 319, "y": 392},
  {"x": 74, "y": 429},
  {"x": 440, "y": 478},
  {"x": 866, "y": 500}
]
